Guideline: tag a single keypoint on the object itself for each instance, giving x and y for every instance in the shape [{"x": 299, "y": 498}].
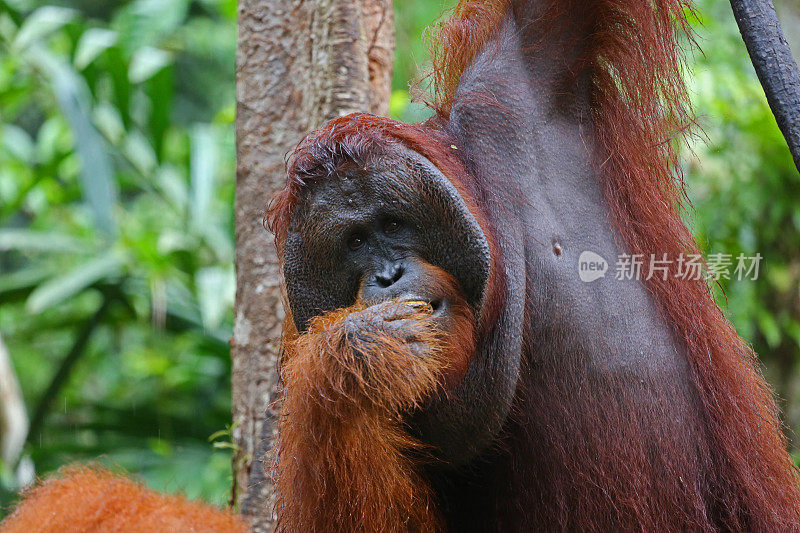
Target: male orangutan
[
  {"x": 446, "y": 369},
  {"x": 445, "y": 366}
]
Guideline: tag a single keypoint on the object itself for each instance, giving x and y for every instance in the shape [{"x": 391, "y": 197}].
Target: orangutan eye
[
  {"x": 391, "y": 226},
  {"x": 356, "y": 241}
]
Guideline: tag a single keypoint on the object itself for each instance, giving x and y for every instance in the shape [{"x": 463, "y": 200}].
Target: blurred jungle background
[{"x": 116, "y": 225}]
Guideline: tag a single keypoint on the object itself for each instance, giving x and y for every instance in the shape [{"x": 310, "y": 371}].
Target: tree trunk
[{"x": 299, "y": 63}]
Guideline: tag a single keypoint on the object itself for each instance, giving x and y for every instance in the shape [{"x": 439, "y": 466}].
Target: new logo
[{"x": 591, "y": 266}]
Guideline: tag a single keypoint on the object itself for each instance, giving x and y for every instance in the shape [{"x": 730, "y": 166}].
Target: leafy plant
[{"x": 116, "y": 176}]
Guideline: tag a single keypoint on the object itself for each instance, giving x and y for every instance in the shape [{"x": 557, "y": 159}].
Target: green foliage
[
  {"x": 116, "y": 186},
  {"x": 411, "y": 62},
  {"x": 746, "y": 193},
  {"x": 116, "y": 178}
]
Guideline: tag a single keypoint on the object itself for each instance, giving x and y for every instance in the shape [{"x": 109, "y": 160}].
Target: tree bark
[
  {"x": 299, "y": 63},
  {"x": 774, "y": 64}
]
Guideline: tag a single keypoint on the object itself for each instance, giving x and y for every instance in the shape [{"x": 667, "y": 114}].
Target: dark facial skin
[
  {"x": 387, "y": 252},
  {"x": 376, "y": 241}
]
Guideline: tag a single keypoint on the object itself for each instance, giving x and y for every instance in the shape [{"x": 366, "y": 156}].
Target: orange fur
[
  {"x": 345, "y": 461},
  {"x": 93, "y": 499}
]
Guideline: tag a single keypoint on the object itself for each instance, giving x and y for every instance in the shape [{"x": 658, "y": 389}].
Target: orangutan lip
[
  {"x": 436, "y": 308},
  {"x": 437, "y": 305}
]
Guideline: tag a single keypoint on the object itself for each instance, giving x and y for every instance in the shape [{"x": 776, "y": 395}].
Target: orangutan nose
[{"x": 391, "y": 275}]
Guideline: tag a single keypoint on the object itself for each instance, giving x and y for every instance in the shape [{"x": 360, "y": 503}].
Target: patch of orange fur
[
  {"x": 345, "y": 461},
  {"x": 94, "y": 499}
]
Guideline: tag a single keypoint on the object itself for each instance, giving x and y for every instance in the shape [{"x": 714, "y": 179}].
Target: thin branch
[{"x": 774, "y": 64}]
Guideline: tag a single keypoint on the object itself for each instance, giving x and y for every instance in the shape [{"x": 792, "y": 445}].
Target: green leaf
[
  {"x": 769, "y": 328},
  {"x": 148, "y": 22},
  {"x": 203, "y": 166},
  {"x": 398, "y": 102},
  {"x": 97, "y": 174},
  {"x": 216, "y": 287},
  {"x": 146, "y": 62},
  {"x": 218, "y": 240},
  {"x": 219, "y": 434},
  {"x": 53, "y": 138},
  {"x": 24, "y": 279},
  {"x": 173, "y": 186},
  {"x": 793, "y": 329},
  {"x": 108, "y": 120},
  {"x": 172, "y": 240},
  {"x": 139, "y": 152},
  {"x": 18, "y": 142},
  {"x": 58, "y": 289},
  {"x": 42, "y": 23},
  {"x": 7, "y": 27},
  {"x": 30, "y": 240},
  {"x": 92, "y": 43}
]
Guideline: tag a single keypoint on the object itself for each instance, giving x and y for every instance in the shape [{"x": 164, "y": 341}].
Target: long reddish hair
[
  {"x": 640, "y": 109},
  {"x": 345, "y": 462}
]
